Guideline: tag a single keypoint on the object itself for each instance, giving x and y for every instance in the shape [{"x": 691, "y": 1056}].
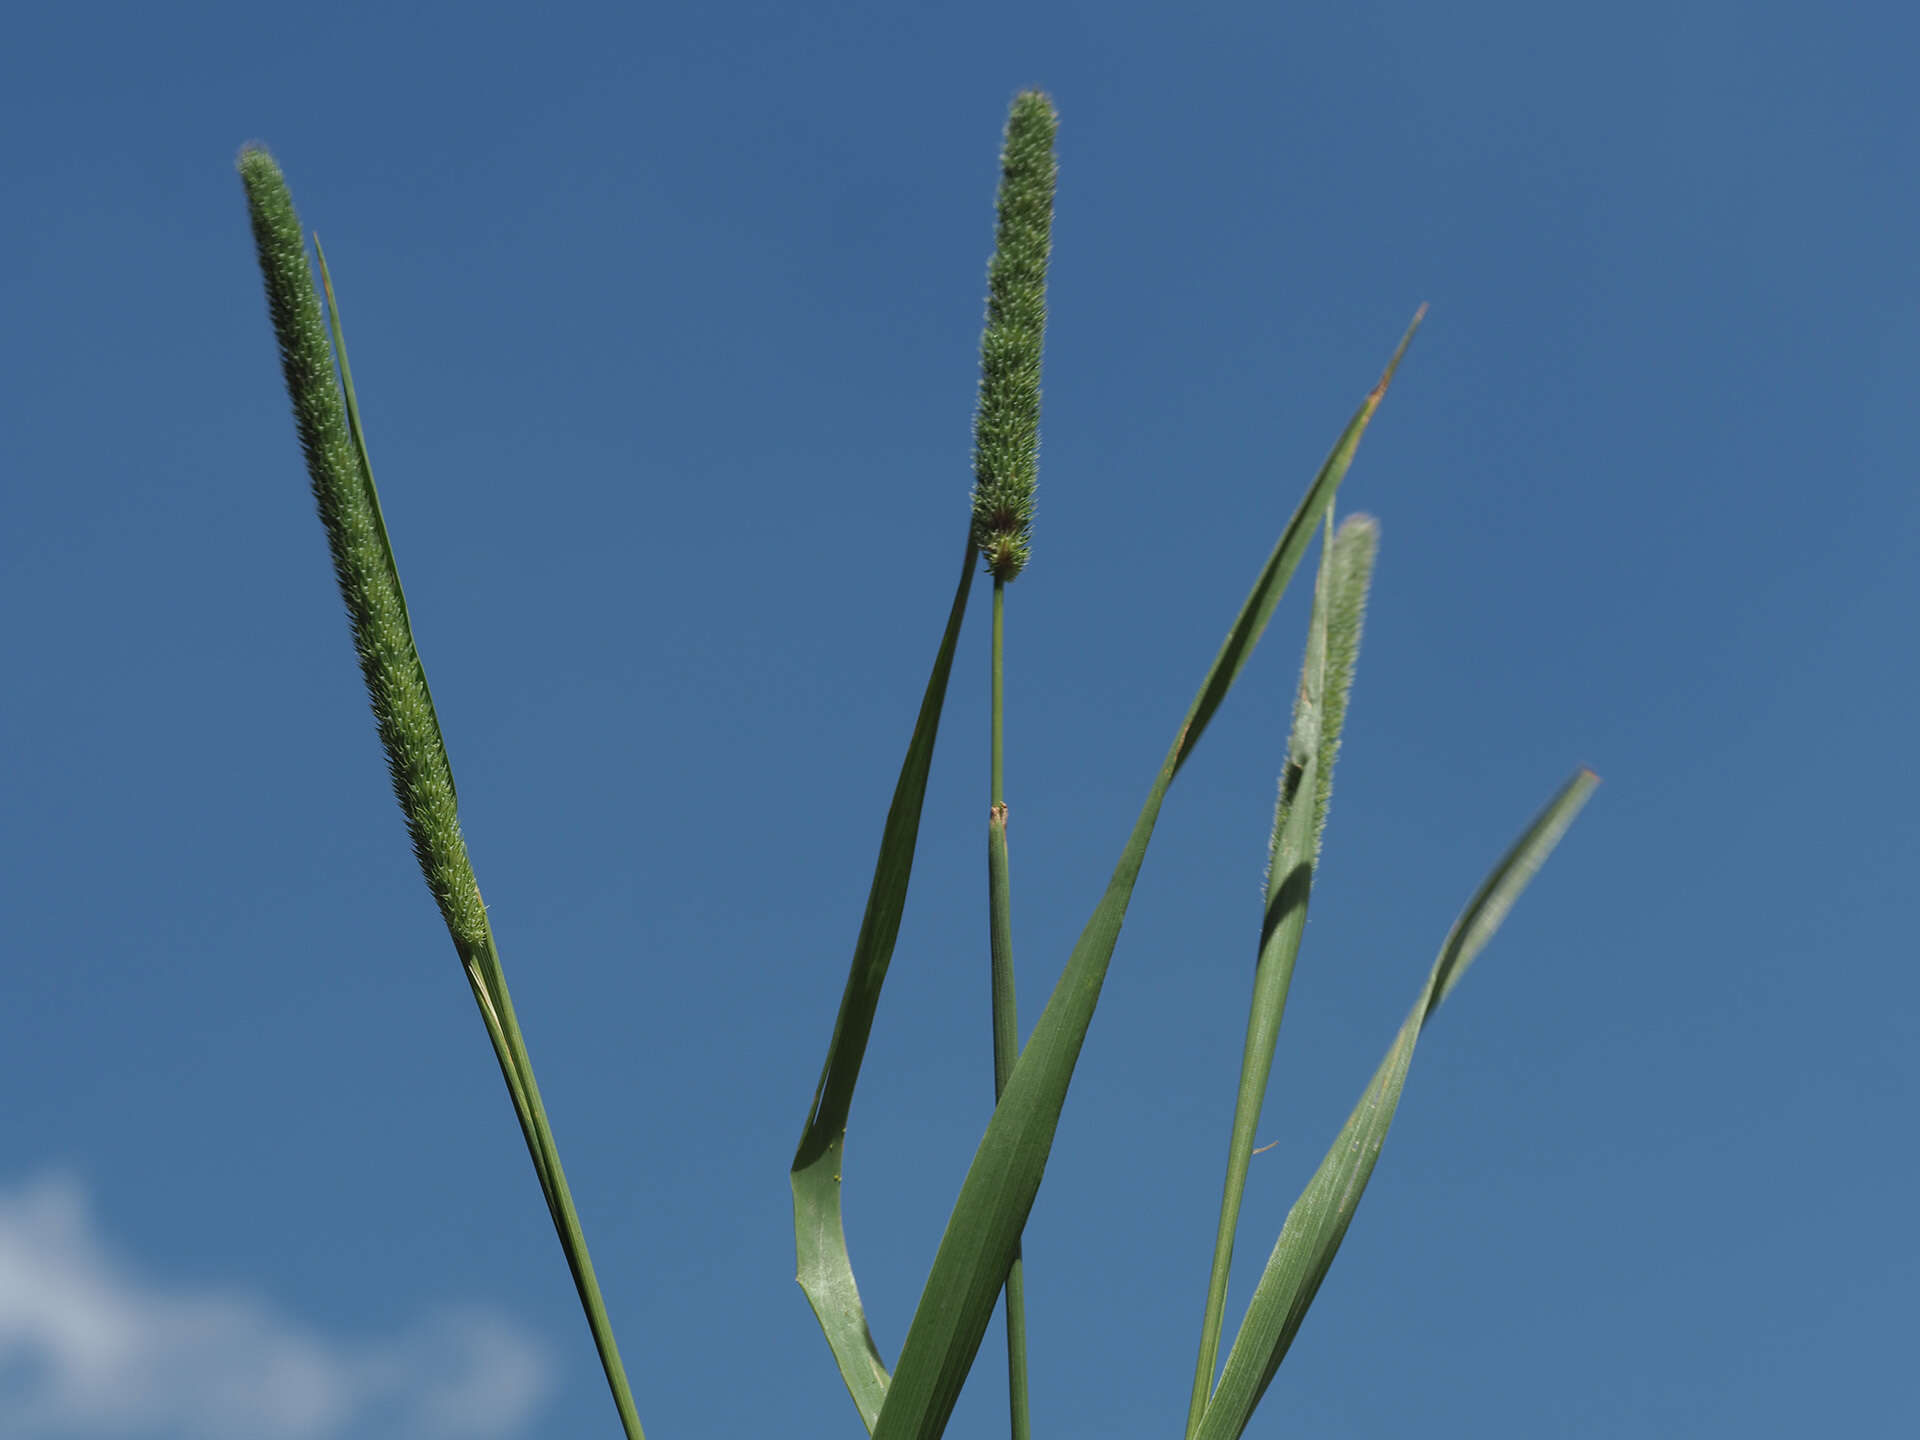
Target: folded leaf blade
[{"x": 824, "y": 1267}]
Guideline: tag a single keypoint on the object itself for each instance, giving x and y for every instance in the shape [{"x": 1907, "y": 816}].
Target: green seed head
[
  {"x": 362, "y": 558},
  {"x": 1006, "y": 429},
  {"x": 1326, "y": 678}
]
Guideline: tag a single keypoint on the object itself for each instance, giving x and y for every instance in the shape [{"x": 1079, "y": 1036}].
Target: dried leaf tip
[
  {"x": 1006, "y": 431},
  {"x": 1379, "y": 392}
]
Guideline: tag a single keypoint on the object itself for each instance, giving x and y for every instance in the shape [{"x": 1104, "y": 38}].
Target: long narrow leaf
[
  {"x": 983, "y": 1231},
  {"x": 1318, "y": 1221},
  {"x": 825, "y": 1270},
  {"x": 1326, "y": 677}
]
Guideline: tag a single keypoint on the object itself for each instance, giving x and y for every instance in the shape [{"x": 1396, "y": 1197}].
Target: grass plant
[
  {"x": 1006, "y": 449},
  {"x": 979, "y": 1258}
]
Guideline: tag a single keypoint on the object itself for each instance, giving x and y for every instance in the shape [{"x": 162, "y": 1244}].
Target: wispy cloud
[{"x": 90, "y": 1350}]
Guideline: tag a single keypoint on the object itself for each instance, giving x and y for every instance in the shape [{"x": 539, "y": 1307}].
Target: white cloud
[{"x": 90, "y": 1350}]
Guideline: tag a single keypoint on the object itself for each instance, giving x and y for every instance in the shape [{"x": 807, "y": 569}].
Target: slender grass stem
[
  {"x": 1006, "y": 437},
  {"x": 327, "y": 420},
  {"x": 496, "y": 1004},
  {"x": 1006, "y": 1022},
  {"x": 1006, "y": 1025}
]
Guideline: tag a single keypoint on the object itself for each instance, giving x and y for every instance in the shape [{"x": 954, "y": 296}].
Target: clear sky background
[{"x": 665, "y": 322}]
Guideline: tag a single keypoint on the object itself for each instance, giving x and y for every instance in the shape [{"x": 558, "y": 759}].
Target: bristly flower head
[
  {"x": 362, "y": 556},
  {"x": 1006, "y": 430}
]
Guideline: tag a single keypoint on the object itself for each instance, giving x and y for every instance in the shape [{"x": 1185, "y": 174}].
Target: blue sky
[{"x": 665, "y": 328}]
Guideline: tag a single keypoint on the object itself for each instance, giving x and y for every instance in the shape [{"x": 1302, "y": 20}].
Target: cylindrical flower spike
[
  {"x": 1006, "y": 431},
  {"x": 362, "y": 560},
  {"x": 327, "y": 419},
  {"x": 1326, "y": 678}
]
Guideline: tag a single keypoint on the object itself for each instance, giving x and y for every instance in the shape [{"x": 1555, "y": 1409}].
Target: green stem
[
  {"x": 1006, "y": 1023},
  {"x": 510, "y": 1047}
]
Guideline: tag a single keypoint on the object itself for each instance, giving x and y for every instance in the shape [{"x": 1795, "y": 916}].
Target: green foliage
[
  {"x": 983, "y": 1231},
  {"x": 1318, "y": 1221},
  {"x": 820, "y": 1242},
  {"x": 979, "y": 1255},
  {"x": 1326, "y": 676}
]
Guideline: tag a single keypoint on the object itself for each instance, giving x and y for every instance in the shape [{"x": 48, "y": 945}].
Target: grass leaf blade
[
  {"x": 824, "y": 1268},
  {"x": 1318, "y": 1222}
]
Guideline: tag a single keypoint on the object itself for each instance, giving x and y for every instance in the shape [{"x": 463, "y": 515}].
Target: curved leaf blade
[
  {"x": 1318, "y": 1221},
  {"x": 824, "y": 1268}
]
